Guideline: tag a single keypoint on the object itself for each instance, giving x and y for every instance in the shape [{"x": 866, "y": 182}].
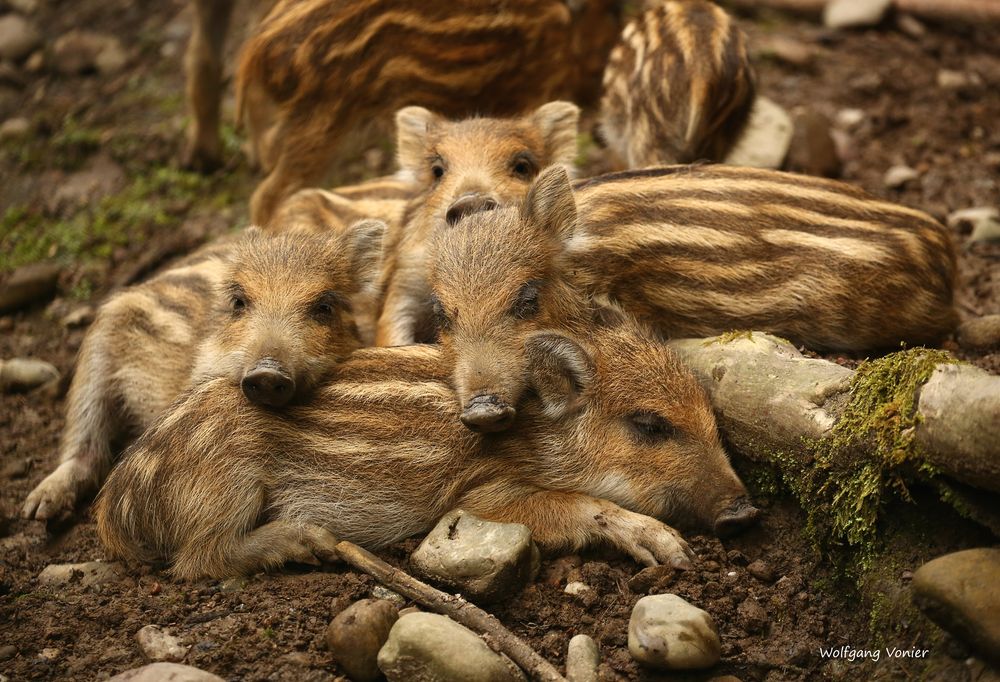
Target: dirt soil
[{"x": 117, "y": 136}]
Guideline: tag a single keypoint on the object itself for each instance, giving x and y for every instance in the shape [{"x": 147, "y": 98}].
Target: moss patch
[{"x": 862, "y": 459}]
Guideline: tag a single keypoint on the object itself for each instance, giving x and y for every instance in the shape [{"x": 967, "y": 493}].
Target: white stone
[
  {"x": 22, "y": 374},
  {"x": 427, "y": 647},
  {"x": 480, "y": 559},
  {"x": 854, "y": 13},
  {"x": 576, "y": 587},
  {"x": 982, "y": 222},
  {"x": 850, "y": 118},
  {"x": 897, "y": 176},
  {"x": 768, "y": 135},
  {"x": 157, "y": 644},
  {"x": 166, "y": 672},
  {"x": 18, "y": 37},
  {"x": 666, "y": 632},
  {"x": 14, "y": 127},
  {"x": 87, "y": 574},
  {"x": 582, "y": 659}
]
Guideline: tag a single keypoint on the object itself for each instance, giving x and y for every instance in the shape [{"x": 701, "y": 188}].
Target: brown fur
[
  {"x": 678, "y": 86},
  {"x": 219, "y": 486},
  {"x": 152, "y": 341},
  {"x": 492, "y": 158},
  {"x": 691, "y": 251},
  {"x": 326, "y": 66},
  {"x": 318, "y": 210}
]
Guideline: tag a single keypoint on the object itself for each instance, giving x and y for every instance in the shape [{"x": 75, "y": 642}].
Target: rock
[
  {"x": 582, "y": 659},
  {"x": 849, "y": 119},
  {"x": 958, "y": 80},
  {"x": 14, "y": 127},
  {"x": 49, "y": 653},
  {"x": 427, "y": 647},
  {"x": 18, "y": 37},
  {"x": 29, "y": 284},
  {"x": 35, "y": 63},
  {"x": 854, "y": 13},
  {"x": 24, "y": 374},
  {"x": 752, "y": 616},
  {"x": 651, "y": 577},
  {"x": 576, "y": 587},
  {"x": 80, "y": 316},
  {"x": 789, "y": 51},
  {"x": 480, "y": 559},
  {"x": 765, "y": 142},
  {"x": 725, "y": 678},
  {"x": 166, "y": 672},
  {"x": 88, "y": 574},
  {"x": 910, "y": 25},
  {"x": 79, "y": 51},
  {"x": 357, "y": 634},
  {"x": 813, "y": 150},
  {"x": 966, "y": 220},
  {"x": 761, "y": 571},
  {"x": 667, "y": 632},
  {"x": 156, "y": 644},
  {"x": 7, "y": 651},
  {"x": 897, "y": 176},
  {"x": 101, "y": 177},
  {"x": 980, "y": 332},
  {"x": 961, "y": 593}
]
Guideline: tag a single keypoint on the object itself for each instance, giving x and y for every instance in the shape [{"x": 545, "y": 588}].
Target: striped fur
[
  {"x": 678, "y": 86},
  {"x": 324, "y": 67},
  {"x": 219, "y": 486},
  {"x": 699, "y": 250},
  {"x": 150, "y": 342},
  {"x": 318, "y": 210},
  {"x": 690, "y": 251}
]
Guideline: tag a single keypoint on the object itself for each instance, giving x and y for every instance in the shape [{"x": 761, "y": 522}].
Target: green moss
[
  {"x": 157, "y": 200},
  {"x": 730, "y": 336},
  {"x": 859, "y": 464}
]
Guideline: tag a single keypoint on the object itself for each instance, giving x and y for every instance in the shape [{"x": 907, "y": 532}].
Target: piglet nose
[
  {"x": 487, "y": 414},
  {"x": 268, "y": 384},
  {"x": 736, "y": 517},
  {"x": 467, "y": 204}
]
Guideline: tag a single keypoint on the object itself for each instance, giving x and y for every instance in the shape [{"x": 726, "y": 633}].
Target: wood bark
[{"x": 770, "y": 398}]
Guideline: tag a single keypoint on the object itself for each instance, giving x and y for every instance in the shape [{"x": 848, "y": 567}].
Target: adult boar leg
[{"x": 203, "y": 67}]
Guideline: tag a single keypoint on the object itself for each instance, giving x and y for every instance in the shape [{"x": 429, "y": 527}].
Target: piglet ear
[
  {"x": 559, "y": 125},
  {"x": 561, "y": 373},
  {"x": 363, "y": 245},
  {"x": 413, "y": 125},
  {"x": 550, "y": 203}
]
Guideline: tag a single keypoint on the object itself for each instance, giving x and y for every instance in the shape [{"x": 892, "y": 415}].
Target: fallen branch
[
  {"x": 970, "y": 11},
  {"x": 842, "y": 437},
  {"x": 497, "y": 637}
]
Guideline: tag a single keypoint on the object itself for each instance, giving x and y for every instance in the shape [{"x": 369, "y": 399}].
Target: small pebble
[
  {"x": 357, "y": 634},
  {"x": 156, "y": 644},
  {"x": 582, "y": 660},
  {"x": 897, "y": 176},
  {"x": 761, "y": 571},
  {"x": 667, "y": 632},
  {"x": 576, "y": 587}
]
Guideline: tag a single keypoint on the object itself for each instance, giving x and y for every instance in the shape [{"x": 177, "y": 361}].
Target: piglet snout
[
  {"x": 268, "y": 383},
  {"x": 736, "y": 517},
  {"x": 487, "y": 414}
]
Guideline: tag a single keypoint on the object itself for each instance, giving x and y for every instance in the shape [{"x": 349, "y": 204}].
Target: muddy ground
[{"x": 113, "y": 140}]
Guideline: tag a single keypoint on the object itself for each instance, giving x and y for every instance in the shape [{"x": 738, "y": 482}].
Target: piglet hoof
[
  {"x": 56, "y": 495},
  {"x": 314, "y": 545},
  {"x": 201, "y": 158},
  {"x": 657, "y": 543}
]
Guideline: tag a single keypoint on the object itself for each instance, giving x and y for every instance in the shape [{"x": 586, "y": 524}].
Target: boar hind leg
[
  {"x": 203, "y": 66},
  {"x": 562, "y": 521},
  {"x": 262, "y": 549}
]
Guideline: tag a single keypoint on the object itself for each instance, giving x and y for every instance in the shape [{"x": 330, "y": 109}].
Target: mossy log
[{"x": 841, "y": 439}]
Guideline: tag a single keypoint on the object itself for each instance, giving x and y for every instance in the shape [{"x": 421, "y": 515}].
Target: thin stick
[{"x": 497, "y": 637}]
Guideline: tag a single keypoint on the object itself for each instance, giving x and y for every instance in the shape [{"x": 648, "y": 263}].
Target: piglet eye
[
  {"x": 441, "y": 319},
  {"x": 651, "y": 428},
  {"x": 437, "y": 169},
  {"x": 326, "y": 306},
  {"x": 237, "y": 300},
  {"x": 523, "y": 166},
  {"x": 526, "y": 304}
]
